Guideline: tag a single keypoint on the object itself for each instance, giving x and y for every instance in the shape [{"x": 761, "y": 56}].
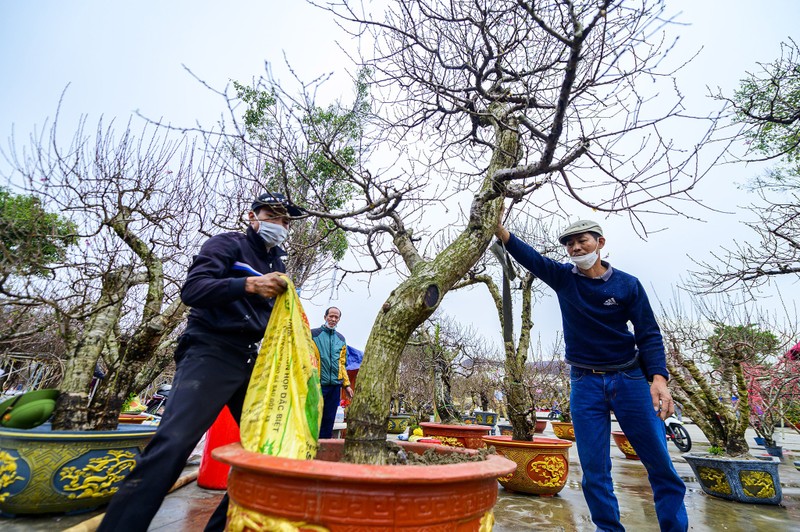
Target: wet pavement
[{"x": 188, "y": 508}]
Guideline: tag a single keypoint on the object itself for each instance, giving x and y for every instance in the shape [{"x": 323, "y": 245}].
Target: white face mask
[
  {"x": 584, "y": 262},
  {"x": 273, "y": 234}
]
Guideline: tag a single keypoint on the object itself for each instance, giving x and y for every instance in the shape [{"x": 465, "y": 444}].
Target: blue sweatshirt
[
  {"x": 595, "y": 313},
  {"x": 214, "y": 286}
]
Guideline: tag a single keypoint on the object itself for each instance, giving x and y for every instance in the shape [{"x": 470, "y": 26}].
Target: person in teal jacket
[{"x": 332, "y": 356}]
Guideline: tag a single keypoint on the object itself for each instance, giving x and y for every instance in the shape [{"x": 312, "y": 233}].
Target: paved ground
[{"x": 188, "y": 508}]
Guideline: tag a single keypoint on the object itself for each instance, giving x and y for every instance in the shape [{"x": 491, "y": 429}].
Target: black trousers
[
  {"x": 331, "y": 397},
  {"x": 212, "y": 371}
]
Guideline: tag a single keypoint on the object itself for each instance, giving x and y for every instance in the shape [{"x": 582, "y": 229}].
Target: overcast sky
[{"x": 120, "y": 57}]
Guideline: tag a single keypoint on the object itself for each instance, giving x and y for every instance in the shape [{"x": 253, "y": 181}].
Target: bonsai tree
[
  {"x": 471, "y": 105},
  {"x": 518, "y": 404},
  {"x": 450, "y": 350},
  {"x": 519, "y": 382},
  {"x": 771, "y": 386},
  {"x": 414, "y": 385},
  {"x": 558, "y": 386},
  {"x": 706, "y": 360},
  {"x": 129, "y": 208},
  {"x": 112, "y": 296}
]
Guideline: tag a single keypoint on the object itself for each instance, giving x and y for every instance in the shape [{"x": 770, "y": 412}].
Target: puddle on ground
[{"x": 567, "y": 512}]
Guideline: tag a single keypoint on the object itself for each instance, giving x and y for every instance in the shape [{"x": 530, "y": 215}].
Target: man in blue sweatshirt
[
  {"x": 231, "y": 288},
  {"x": 332, "y": 355},
  {"x": 607, "y": 358}
]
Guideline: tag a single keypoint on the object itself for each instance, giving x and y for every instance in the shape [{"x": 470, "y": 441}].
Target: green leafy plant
[
  {"x": 30, "y": 237},
  {"x": 716, "y": 451},
  {"x": 127, "y": 404}
]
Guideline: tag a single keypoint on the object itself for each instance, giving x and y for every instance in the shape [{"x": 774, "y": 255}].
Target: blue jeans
[{"x": 627, "y": 393}]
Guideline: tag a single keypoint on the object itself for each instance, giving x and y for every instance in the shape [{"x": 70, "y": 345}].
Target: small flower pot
[
  {"x": 624, "y": 445},
  {"x": 774, "y": 451},
  {"x": 485, "y": 418},
  {"x": 468, "y": 436},
  {"x": 397, "y": 424},
  {"x": 541, "y": 424},
  {"x": 542, "y": 464},
  {"x": 563, "y": 430}
]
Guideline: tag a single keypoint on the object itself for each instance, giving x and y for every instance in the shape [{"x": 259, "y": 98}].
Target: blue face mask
[{"x": 273, "y": 234}]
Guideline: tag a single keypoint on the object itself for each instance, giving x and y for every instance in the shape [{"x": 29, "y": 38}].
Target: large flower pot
[
  {"x": 485, "y": 418},
  {"x": 750, "y": 481},
  {"x": 469, "y": 436},
  {"x": 624, "y": 445},
  {"x": 271, "y": 493},
  {"x": 563, "y": 430},
  {"x": 397, "y": 424},
  {"x": 542, "y": 464},
  {"x": 46, "y": 471}
]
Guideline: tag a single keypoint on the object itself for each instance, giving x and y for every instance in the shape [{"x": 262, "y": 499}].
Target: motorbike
[
  {"x": 157, "y": 403},
  {"x": 677, "y": 434}
]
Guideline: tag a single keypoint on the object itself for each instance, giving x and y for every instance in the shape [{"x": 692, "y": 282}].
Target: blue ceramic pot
[
  {"x": 46, "y": 471},
  {"x": 749, "y": 481},
  {"x": 485, "y": 418}
]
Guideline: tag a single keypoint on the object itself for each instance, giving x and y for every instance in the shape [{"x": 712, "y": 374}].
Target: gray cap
[{"x": 581, "y": 226}]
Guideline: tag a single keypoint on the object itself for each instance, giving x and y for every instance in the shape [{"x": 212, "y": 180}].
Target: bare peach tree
[
  {"x": 709, "y": 348},
  {"x": 459, "y": 106},
  {"x": 765, "y": 111},
  {"x": 113, "y": 297}
]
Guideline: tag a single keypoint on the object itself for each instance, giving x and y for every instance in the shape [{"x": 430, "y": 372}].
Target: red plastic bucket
[{"x": 213, "y": 475}]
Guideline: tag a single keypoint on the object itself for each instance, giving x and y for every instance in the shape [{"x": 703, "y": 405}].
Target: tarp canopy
[{"x": 354, "y": 357}]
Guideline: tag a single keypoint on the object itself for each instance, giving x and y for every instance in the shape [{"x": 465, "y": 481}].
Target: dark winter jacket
[
  {"x": 214, "y": 286},
  {"x": 595, "y": 313}
]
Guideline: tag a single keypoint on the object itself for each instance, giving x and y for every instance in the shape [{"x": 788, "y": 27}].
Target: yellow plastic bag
[{"x": 283, "y": 407}]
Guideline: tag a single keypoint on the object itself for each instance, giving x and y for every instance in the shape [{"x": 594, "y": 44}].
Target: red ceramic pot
[
  {"x": 268, "y": 492},
  {"x": 468, "y": 436},
  {"x": 624, "y": 445},
  {"x": 541, "y": 424},
  {"x": 542, "y": 464}
]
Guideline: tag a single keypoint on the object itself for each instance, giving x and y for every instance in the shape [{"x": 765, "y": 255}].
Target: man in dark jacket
[
  {"x": 608, "y": 358},
  {"x": 332, "y": 355},
  {"x": 231, "y": 286}
]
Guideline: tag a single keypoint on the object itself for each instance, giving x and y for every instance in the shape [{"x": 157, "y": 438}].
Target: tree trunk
[
  {"x": 444, "y": 409},
  {"x": 413, "y": 301},
  {"x": 71, "y": 411}
]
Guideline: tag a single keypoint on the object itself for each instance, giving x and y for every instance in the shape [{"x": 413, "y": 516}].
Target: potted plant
[
  {"x": 542, "y": 463},
  {"x": 103, "y": 275},
  {"x": 717, "y": 399},
  {"x": 560, "y": 388},
  {"x": 624, "y": 445},
  {"x": 770, "y": 386},
  {"x": 514, "y": 145},
  {"x": 445, "y": 346}
]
